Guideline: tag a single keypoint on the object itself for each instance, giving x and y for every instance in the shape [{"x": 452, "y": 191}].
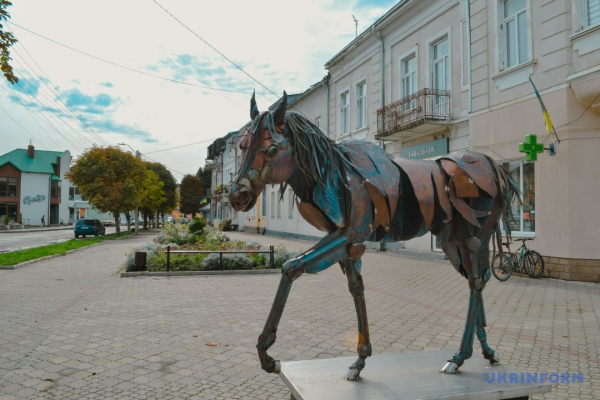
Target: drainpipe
[
  {"x": 470, "y": 69},
  {"x": 381, "y": 72},
  {"x": 325, "y": 83}
]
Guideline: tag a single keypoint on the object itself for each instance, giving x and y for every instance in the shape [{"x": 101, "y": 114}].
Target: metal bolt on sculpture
[{"x": 355, "y": 192}]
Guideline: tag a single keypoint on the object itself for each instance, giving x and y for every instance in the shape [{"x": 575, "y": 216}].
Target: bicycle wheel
[
  {"x": 502, "y": 266},
  {"x": 534, "y": 264}
]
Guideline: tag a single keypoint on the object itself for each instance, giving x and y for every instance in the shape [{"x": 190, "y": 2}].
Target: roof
[
  {"x": 42, "y": 163},
  {"x": 360, "y": 38}
]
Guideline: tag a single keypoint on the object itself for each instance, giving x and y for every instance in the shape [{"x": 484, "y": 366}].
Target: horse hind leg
[
  {"x": 492, "y": 356},
  {"x": 357, "y": 289}
]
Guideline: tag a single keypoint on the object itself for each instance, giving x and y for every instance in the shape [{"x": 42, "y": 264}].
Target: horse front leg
[
  {"x": 351, "y": 268},
  {"x": 330, "y": 250}
]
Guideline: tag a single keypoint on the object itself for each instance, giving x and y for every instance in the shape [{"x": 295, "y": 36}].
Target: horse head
[{"x": 266, "y": 156}]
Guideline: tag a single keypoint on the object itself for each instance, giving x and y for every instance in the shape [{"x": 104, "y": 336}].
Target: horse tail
[{"x": 509, "y": 191}]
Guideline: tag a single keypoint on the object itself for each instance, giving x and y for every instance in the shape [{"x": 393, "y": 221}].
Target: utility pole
[
  {"x": 137, "y": 208},
  {"x": 356, "y": 26}
]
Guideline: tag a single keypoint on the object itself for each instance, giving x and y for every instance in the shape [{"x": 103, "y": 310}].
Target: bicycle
[{"x": 524, "y": 259}]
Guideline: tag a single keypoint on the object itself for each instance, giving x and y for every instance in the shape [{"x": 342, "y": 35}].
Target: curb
[
  {"x": 47, "y": 257},
  {"x": 190, "y": 273}
]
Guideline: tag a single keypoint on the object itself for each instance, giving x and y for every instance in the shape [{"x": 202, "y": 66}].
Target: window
[
  {"x": 515, "y": 32},
  {"x": 361, "y": 105},
  {"x": 522, "y": 172},
  {"x": 55, "y": 189},
  {"x": 593, "y": 12},
  {"x": 345, "y": 113},
  {"x": 263, "y": 204},
  {"x": 8, "y": 187},
  {"x": 277, "y": 195},
  {"x": 588, "y": 13},
  {"x": 409, "y": 78},
  {"x": 272, "y": 204},
  {"x": 290, "y": 205},
  {"x": 441, "y": 65},
  {"x": 253, "y": 211}
]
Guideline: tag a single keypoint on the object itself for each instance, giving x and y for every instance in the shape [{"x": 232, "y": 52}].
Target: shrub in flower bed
[{"x": 179, "y": 237}]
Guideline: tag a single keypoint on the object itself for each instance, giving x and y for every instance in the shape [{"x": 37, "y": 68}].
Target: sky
[{"x": 104, "y": 72}]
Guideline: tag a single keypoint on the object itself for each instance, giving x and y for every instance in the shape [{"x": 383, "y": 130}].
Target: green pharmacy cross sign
[{"x": 531, "y": 147}]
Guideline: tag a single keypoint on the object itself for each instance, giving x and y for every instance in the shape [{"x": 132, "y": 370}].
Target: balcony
[{"x": 424, "y": 112}]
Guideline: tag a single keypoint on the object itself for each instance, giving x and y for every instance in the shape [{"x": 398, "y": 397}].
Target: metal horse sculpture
[{"x": 355, "y": 192}]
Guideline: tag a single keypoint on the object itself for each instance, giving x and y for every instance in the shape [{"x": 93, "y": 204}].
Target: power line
[
  {"x": 30, "y": 134},
  {"x": 48, "y": 122},
  {"x": 54, "y": 88},
  {"x": 128, "y": 68},
  {"x": 209, "y": 45},
  {"x": 184, "y": 145}
]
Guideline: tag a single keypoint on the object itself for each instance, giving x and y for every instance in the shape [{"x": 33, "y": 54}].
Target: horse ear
[
  {"x": 279, "y": 113},
  {"x": 253, "y": 107}
]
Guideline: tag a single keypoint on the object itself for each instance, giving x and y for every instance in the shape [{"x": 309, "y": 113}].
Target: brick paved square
[{"x": 71, "y": 328}]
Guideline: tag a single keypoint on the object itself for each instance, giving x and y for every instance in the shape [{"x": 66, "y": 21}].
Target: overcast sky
[{"x": 66, "y": 100}]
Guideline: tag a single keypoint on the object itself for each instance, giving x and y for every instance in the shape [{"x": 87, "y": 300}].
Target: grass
[{"x": 19, "y": 256}]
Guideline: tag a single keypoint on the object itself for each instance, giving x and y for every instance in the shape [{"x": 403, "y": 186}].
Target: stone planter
[{"x": 6, "y": 227}]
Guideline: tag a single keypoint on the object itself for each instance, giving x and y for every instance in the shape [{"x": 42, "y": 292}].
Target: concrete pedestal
[{"x": 406, "y": 376}]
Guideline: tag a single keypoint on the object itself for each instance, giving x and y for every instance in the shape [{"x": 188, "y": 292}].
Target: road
[{"x": 16, "y": 241}]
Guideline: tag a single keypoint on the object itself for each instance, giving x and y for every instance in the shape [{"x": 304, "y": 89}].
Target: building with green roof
[{"x": 33, "y": 184}]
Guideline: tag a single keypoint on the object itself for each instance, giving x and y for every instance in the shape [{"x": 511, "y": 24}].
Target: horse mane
[{"x": 320, "y": 156}]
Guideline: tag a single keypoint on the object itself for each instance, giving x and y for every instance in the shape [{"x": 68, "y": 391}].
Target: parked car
[
  {"x": 108, "y": 222},
  {"x": 85, "y": 227}
]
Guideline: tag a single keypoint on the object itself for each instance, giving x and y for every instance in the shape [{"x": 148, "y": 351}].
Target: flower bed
[{"x": 197, "y": 236}]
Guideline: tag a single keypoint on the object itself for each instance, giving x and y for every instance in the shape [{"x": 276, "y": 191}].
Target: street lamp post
[{"x": 137, "y": 208}]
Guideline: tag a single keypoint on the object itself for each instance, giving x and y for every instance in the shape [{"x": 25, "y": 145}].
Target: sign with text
[
  {"x": 31, "y": 199},
  {"x": 426, "y": 150}
]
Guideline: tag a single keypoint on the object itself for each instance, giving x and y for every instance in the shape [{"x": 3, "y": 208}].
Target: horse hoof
[
  {"x": 277, "y": 368},
  {"x": 495, "y": 358},
  {"x": 353, "y": 374},
  {"x": 450, "y": 368}
]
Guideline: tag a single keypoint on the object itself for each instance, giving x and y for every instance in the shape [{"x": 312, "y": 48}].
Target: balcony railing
[{"x": 426, "y": 105}]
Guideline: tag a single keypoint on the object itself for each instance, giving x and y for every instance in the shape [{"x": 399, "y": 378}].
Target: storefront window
[
  {"x": 522, "y": 172},
  {"x": 9, "y": 209}
]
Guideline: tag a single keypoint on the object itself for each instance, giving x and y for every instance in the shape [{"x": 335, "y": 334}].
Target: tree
[
  {"x": 205, "y": 176},
  {"x": 153, "y": 195},
  {"x": 110, "y": 179},
  {"x": 191, "y": 192},
  {"x": 7, "y": 39},
  {"x": 170, "y": 200}
]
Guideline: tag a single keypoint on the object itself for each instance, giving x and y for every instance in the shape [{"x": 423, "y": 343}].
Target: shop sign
[
  {"x": 426, "y": 150},
  {"x": 31, "y": 199}
]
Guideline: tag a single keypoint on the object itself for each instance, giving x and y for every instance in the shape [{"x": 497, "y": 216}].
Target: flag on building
[{"x": 549, "y": 126}]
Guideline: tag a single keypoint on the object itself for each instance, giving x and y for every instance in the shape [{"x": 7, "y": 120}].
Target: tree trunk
[
  {"x": 157, "y": 219},
  {"x": 117, "y": 224},
  {"x": 128, "y": 216},
  {"x": 145, "y": 221}
]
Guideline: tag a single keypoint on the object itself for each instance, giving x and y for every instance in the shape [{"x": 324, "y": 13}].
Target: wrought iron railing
[{"x": 426, "y": 104}]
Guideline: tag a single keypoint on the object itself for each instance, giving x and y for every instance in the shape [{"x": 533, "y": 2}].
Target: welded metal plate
[{"x": 402, "y": 376}]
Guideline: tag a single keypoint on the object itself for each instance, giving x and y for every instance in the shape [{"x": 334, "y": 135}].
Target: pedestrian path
[{"x": 71, "y": 328}]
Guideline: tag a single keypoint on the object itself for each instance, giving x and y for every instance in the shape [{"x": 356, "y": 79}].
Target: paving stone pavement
[{"x": 71, "y": 328}]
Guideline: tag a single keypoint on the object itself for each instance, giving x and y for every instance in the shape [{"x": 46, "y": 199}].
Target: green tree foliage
[
  {"x": 7, "y": 39},
  {"x": 153, "y": 195},
  {"x": 170, "y": 200},
  {"x": 191, "y": 192},
  {"x": 110, "y": 179},
  {"x": 205, "y": 176}
]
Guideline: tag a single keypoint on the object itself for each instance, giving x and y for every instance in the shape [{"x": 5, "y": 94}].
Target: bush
[
  {"x": 230, "y": 262},
  {"x": 282, "y": 255},
  {"x": 152, "y": 250},
  {"x": 196, "y": 226}
]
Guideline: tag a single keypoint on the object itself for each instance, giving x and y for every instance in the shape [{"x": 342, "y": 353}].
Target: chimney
[{"x": 31, "y": 151}]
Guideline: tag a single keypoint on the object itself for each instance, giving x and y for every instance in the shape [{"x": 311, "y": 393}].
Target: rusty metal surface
[
  {"x": 419, "y": 173},
  {"x": 315, "y": 217},
  {"x": 465, "y": 186},
  {"x": 478, "y": 168}
]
